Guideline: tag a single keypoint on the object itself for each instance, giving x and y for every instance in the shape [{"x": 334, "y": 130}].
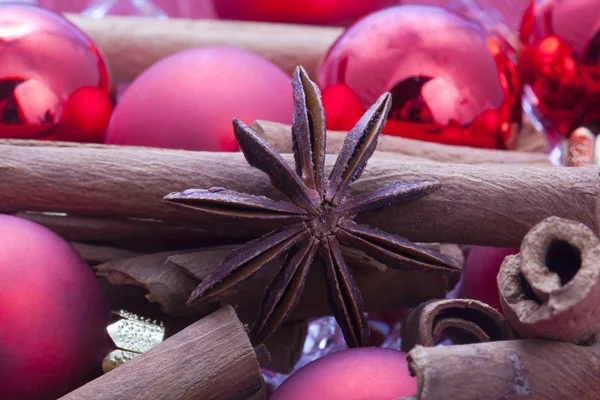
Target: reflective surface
[
  {"x": 45, "y": 59},
  {"x": 451, "y": 82},
  {"x": 560, "y": 63}
]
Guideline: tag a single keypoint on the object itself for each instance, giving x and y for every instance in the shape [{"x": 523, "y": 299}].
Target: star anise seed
[{"x": 316, "y": 219}]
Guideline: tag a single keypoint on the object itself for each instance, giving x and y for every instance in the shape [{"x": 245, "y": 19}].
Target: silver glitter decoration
[{"x": 132, "y": 335}]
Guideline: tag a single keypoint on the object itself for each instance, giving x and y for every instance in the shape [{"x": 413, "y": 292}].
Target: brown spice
[
  {"x": 211, "y": 359},
  {"x": 315, "y": 219},
  {"x": 278, "y": 136},
  {"x": 551, "y": 289},
  {"x": 460, "y": 320}
]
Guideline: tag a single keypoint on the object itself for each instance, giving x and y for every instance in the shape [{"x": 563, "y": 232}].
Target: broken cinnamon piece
[
  {"x": 461, "y": 320},
  {"x": 211, "y": 359},
  {"x": 515, "y": 369},
  {"x": 551, "y": 289}
]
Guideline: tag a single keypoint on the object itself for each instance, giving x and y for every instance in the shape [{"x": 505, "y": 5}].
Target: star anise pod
[{"x": 315, "y": 220}]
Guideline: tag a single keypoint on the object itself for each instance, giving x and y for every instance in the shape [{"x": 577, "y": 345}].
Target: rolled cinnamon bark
[
  {"x": 211, "y": 359},
  {"x": 461, "y": 320},
  {"x": 279, "y": 136},
  {"x": 516, "y": 369},
  {"x": 133, "y": 44},
  {"x": 170, "y": 278},
  {"x": 551, "y": 289},
  {"x": 485, "y": 205}
]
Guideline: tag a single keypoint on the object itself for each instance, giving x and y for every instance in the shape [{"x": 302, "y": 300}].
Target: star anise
[{"x": 316, "y": 219}]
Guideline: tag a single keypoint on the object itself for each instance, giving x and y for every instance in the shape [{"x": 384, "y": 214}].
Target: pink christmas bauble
[
  {"x": 52, "y": 314},
  {"x": 45, "y": 59},
  {"x": 189, "y": 99},
  {"x": 356, "y": 374},
  {"x": 480, "y": 271},
  {"x": 449, "y": 80}
]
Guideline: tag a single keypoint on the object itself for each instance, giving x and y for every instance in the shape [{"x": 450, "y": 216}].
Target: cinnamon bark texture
[
  {"x": 485, "y": 205},
  {"x": 551, "y": 289},
  {"x": 133, "y": 44},
  {"x": 171, "y": 277},
  {"x": 211, "y": 359},
  {"x": 460, "y": 320},
  {"x": 517, "y": 369},
  {"x": 279, "y": 136}
]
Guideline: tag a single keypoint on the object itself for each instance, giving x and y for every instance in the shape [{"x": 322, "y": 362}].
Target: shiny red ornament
[
  {"x": 85, "y": 116},
  {"x": 45, "y": 59},
  {"x": 53, "y": 314},
  {"x": 316, "y": 12},
  {"x": 559, "y": 62},
  {"x": 343, "y": 108},
  {"x": 451, "y": 82}
]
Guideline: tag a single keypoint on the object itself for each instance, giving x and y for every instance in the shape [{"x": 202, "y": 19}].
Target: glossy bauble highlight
[
  {"x": 444, "y": 72},
  {"x": 560, "y": 64},
  {"x": 188, "y": 100},
  {"x": 45, "y": 59},
  {"x": 52, "y": 314}
]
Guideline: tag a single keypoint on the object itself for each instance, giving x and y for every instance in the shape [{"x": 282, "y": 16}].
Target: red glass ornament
[
  {"x": 187, "y": 100},
  {"x": 53, "y": 314},
  {"x": 480, "y": 271},
  {"x": 85, "y": 116},
  {"x": 343, "y": 108},
  {"x": 45, "y": 59},
  {"x": 316, "y": 12},
  {"x": 559, "y": 62},
  {"x": 451, "y": 83}
]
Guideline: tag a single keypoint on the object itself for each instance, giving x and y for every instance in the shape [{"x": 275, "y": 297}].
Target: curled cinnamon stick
[
  {"x": 551, "y": 289},
  {"x": 279, "y": 136},
  {"x": 461, "y": 320},
  {"x": 133, "y": 44},
  {"x": 211, "y": 359},
  {"x": 485, "y": 205},
  {"x": 516, "y": 369}
]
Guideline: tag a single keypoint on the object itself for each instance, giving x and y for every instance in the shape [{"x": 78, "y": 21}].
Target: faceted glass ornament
[
  {"x": 45, "y": 59},
  {"x": 560, "y": 65},
  {"x": 451, "y": 82}
]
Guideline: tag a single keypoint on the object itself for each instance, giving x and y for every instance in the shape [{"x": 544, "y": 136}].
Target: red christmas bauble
[
  {"x": 52, "y": 314},
  {"x": 451, "y": 83},
  {"x": 85, "y": 116},
  {"x": 560, "y": 64},
  {"x": 45, "y": 59},
  {"x": 188, "y": 100},
  {"x": 343, "y": 108},
  {"x": 316, "y": 12}
]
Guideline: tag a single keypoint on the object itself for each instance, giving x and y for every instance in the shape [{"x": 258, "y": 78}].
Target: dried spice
[
  {"x": 316, "y": 218},
  {"x": 551, "y": 289},
  {"x": 460, "y": 320}
]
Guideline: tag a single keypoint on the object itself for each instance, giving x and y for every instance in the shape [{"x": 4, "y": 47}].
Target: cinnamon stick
[
  {"x": 551, "y": 289},
  {"x": 133, "y": 44},
  {"x": 461, "y": 320},
  {"x": 485, "y": 205},
  {"x": 279, "y": 136},
  {"x": 211, "y": 359},
  {"x": 523, "y": 369},
  {"x": 95, "y": 254},
  {"x": 93, "y": 229},
  {"x": 170, "y": 278}
]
